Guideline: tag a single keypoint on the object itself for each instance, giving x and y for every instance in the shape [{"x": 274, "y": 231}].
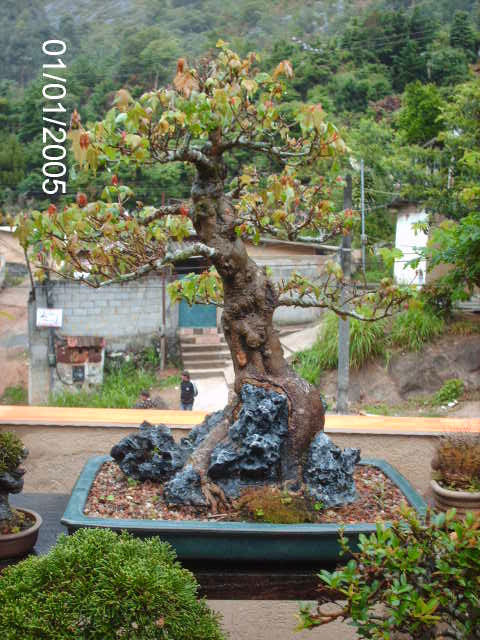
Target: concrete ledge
[
  {"x": 132, "y": 418},
  {"x": 3, "y": 270}
]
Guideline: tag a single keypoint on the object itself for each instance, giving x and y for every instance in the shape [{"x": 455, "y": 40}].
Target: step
[
  {"x": 205, "y": 348},
  {"x": 188, "y": 363},
  {"x": 204, "y": 373},
  {"x": 209, "y": 357},
  {"x": 202, "y": 340},
  {"x": 204, "y": 354}
]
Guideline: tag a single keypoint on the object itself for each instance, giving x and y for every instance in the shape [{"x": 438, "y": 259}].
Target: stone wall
[{"x": 127, "y": 315}]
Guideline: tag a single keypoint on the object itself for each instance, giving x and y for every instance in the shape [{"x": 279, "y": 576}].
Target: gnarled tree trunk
[{"x": 249, "y": 303}]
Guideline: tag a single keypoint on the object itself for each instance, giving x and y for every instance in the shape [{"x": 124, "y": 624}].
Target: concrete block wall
[
  {"x": 282, "y": 268},
  {"x": 126, "y": 315}
]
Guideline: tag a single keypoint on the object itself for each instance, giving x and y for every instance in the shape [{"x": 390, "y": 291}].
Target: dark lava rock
[
  {"x": 254, "y": 446},
  {"x": 329, "y": 472},
  {"x": 185, "y": 488},
  {"x": 200, "y": 432},
  {"x": 150, "y": 454},
  {"x": 251, "y": 455}
]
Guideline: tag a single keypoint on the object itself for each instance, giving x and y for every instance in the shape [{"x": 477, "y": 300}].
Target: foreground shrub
[
  {"x": 415, "y": 578},
  {"x": 96, "y": 585}
]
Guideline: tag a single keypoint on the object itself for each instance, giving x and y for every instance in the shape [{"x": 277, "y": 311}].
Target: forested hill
[
  {"x": 382, "y": 69},
  {"x": 159, "y": 30}
]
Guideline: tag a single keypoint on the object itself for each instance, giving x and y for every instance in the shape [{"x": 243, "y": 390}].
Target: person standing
[{"x": 188, "y": 391}]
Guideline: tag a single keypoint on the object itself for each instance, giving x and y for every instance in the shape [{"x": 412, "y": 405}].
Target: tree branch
[
  {"x": 161, "y": 212},
  {"x": 339, "y": 310},
  {"x": 245, "y": 143},
  {"x": 171, "y": 256}
]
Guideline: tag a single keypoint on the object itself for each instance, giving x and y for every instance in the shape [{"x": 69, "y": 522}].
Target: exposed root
[
  {"x": 214, "y": 495},
  {"x": 200, "y": 459}
]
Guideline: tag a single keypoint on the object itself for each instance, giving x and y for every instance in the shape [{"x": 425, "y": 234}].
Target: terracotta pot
[
  {"x": 462, "y": 501},
  {"x": 13, "y": 545}
]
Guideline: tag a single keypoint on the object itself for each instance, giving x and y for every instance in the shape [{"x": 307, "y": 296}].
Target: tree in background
[
  {"x": 462, "y": 35},
  {"x": 419, "y": 120},
  {"x": 456, "y": 193},
  {"x": 221, "y": 107}
]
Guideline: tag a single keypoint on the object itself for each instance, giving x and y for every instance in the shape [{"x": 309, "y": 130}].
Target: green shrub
[
  {"x": 97, "y": 585},
  {"x": 413, "y": 328},
  {"x": 367, "y": 340},
  {"x": 438, "y": 297},
  {"x": 11, "y": 451},
  {"x": 451, "y": 390},
  {"x": 415, "y": 578}
]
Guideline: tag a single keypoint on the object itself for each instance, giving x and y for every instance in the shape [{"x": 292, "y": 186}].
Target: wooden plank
[
  {"x": 81, "y": 416},
  {"x": 128, "y": 418}
]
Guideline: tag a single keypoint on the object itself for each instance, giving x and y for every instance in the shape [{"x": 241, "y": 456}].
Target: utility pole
[
  {"x": 362, "y": 199},
  {"x": 344, "y": 324}
]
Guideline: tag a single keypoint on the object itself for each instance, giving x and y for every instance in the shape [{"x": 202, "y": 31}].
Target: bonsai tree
[
  {"x": 12, "y": 453},
  {"x": 97, "y": 584},
  {"x": 418, "y": 578},
  {"x": 215, "y": 115}
]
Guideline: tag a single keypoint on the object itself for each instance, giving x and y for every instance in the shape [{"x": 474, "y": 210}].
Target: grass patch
[
  {"x": 367, "y": 340},
  {"x": 14, "y": 395},
  {"x": 170, "y": 381},
  {"x": 413, "y": 328},
  {"x": 120, "y": 390},
  {"x": 464, "y": 328}
]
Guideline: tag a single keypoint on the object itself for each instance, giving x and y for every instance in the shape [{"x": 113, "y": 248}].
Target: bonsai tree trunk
[
  {"x": 249, "y": 303},
  {"x": 6, "y": 514}
]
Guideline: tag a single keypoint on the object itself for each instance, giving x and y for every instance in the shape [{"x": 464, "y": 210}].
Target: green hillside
[{"x": 359, "y": 58}]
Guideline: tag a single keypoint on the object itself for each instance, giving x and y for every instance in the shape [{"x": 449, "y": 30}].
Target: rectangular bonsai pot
[{"x": 236, "y": 543}]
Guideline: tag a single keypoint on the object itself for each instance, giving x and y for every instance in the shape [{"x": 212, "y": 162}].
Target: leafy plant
[
  {"x": 413, "y": 328},
  {"x": 11, "y": 451},
  {"x": 14, "y": 395},
  {"x": 97, "y": 585},
  {"x": 451, "y": 390},
  {"x": 413, "y": 577},
  {"x": 457, "y": 461}
]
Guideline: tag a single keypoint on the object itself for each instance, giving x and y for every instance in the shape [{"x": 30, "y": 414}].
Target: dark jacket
[{"x": 187, "y": 392}]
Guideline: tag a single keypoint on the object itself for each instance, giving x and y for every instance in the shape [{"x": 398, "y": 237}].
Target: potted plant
[
  {"x": 18, "y": 527},
  {"x": 456, "y": 479},
  {"x": 97, "y": 584}
]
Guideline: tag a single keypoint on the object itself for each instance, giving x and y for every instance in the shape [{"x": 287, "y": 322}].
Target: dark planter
[
  {"x": 13, "y": 545},
  {"x": 462, "y": 501},
  {"x": 235, "y": 543}
]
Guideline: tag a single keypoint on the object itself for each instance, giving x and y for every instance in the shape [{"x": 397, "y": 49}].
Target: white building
[{"x": 409, "y": 239}]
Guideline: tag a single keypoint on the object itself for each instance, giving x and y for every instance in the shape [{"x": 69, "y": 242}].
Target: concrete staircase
[{"x": 204, "y": 352}]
